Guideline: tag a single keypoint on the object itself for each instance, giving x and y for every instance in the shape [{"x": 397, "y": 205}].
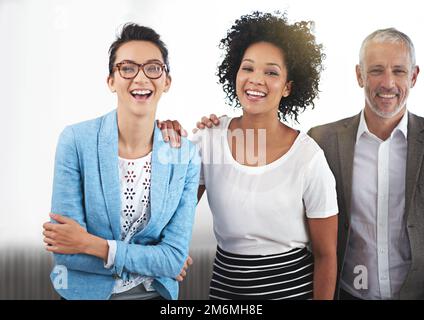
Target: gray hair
[{"x": 388, "y": 35}]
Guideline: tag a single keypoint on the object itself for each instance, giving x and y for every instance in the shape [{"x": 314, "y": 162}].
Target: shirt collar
[{"x": 401, "y": 127}]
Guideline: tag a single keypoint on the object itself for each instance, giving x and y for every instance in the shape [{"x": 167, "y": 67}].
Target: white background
[{"x": 54, "y": 64}]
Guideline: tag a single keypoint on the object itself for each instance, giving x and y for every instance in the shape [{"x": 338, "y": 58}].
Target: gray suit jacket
[{"x": 338, "y": 140}]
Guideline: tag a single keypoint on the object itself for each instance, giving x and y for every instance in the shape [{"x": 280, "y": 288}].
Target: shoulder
[
  {"x": 83, "y": 133},
  {"x": 88, "y": 128},
  {"x": 306, "y": 143},
  {"x": 307, "y": 148},
  {"x": 332, "y": 127},
  {"x": 311, "y": 158},
  {"x": 415, "y": 122},
  {"x": 327, "y": 132},
  {"x": 186, "y": 154},
  {"x": 189, "y": 146}
]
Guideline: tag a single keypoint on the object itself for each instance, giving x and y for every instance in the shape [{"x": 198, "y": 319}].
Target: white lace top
[{"x": 134, "y": 176}]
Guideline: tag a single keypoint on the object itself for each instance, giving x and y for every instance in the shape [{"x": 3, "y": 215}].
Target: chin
[
  {"x": 249, "y": 111},
  {"x": 256, "y": 110},
  {"x": 387, "y": 114},
  {"x": 140, "y": 109}
]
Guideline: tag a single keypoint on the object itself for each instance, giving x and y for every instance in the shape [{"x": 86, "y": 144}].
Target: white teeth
[
  {"x": 255, "y": 93},
  {"x": 141, "y": 92},
  {"x": 386, "y": 96}
]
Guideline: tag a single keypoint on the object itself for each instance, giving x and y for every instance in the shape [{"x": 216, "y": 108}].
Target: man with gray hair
[{"x": 377, "y": 160}]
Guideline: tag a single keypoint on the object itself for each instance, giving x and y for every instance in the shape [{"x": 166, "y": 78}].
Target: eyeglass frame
[{"x": 140, "y": 66}]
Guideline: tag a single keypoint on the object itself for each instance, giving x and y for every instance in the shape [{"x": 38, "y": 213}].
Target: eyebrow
[
  {"x": 268, "y": 63},
  {"x": 148, "y": 61},
  {"x": 382, "y": 66}
]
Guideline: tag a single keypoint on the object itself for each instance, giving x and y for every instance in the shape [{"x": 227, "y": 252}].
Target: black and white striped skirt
[{"x": 287, "y": 275}]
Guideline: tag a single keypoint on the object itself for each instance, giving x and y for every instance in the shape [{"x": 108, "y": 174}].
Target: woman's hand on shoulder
[{"x": 172, "y": 131}]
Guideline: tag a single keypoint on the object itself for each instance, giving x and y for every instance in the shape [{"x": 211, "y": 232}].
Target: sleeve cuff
[{"x": 111, "y": 254}]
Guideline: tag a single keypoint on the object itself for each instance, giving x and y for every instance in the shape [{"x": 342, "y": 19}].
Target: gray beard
[{"x": 385, "y": 115}]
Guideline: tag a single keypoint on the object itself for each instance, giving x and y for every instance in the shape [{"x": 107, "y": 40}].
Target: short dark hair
[
  {"x": 302, "y": 55},
  {"x": 132, "y": 31}
]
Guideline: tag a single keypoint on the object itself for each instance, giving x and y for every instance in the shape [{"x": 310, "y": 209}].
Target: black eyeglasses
[{"x": 130, "y": 70}]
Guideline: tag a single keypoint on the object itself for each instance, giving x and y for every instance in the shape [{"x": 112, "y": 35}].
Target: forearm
[
  {"x": 82, "y": 262},
  {"x": 325, "y": 274},
  {"x": 97, "y": 247},
  {"x": 162, "y": 259}
]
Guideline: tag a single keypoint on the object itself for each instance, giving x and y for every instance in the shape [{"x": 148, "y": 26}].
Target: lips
[
  {"x": 255, "y": 95},
  {"x": 387, "y": 95},
  {"x": 141, "y": 94}
]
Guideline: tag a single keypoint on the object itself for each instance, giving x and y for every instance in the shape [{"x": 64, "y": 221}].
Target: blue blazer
[{"x": 86, "y": 188}]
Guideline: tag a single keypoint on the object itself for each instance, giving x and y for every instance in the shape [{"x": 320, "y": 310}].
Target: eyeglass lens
[{"x": 151, "y": 70}]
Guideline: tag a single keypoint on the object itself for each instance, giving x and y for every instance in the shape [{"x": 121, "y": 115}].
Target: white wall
[{"x": 54, "y": 64}]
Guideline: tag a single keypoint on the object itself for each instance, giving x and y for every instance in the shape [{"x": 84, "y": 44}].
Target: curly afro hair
[{"x": 302, "y": 55}]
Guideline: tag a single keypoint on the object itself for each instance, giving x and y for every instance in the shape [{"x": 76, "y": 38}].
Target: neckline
[
  {"x": 137, "y": 159},
  {"x": 268, "y": 166}
]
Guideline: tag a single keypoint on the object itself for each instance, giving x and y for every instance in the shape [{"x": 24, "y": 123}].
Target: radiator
[
  {"x": 196, "y": 284},
  {"x": 24, "y": 274}
]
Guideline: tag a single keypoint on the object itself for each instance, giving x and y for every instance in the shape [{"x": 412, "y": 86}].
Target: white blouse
[
  {"x": 263, "y": 210},
  {"x": 134, "y": 176}
]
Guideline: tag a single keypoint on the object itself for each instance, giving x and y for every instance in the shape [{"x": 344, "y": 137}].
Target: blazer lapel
[
  {"x": 346, "y": 139},
  {"x": 415, "y": 155},
  {"x": 159, "y": 177},
  {"x": 109, "y": 172}
]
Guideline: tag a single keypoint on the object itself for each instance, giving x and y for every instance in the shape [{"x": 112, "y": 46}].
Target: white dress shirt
[{"x": 378, "y": 251}]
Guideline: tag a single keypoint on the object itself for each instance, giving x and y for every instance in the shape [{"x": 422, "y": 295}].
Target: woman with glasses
[
  {"x": 270, "y": 190},
  {"x": 123, "y": 201}
]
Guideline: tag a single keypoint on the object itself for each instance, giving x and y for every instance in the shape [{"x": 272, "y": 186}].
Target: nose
[
  {"x": 257, "y": 78},
  {"x": 141, "y": 77},
  {"x": 388, "y": 80}
]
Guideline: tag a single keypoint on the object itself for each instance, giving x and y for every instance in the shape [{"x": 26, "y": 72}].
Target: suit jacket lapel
[
  {"x": 346, "y": 139},
  {"x": 109, "y": 172},
  {"x": 415, "y": 155}
]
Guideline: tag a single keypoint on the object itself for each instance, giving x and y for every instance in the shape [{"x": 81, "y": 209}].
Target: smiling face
[
  {"x": 262, "y": 79},
  {"x": 139, "y": 95},
  {"x": 386, "y": 75}
]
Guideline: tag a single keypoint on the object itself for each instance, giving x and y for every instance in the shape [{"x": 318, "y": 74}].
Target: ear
[
  {"x": 415, "y": 73},
  {"x": 111, "y": 83},
  {"x": 359, "y": 76},
  {"x": 168, "y": 81},
  {"x": 287, "y": 89}
]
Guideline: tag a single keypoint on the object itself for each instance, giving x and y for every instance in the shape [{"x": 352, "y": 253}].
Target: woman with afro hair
[{"x": 269, "y": 187}]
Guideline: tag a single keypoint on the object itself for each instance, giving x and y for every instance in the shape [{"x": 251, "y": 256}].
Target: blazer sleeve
[
  {"x": 166, "y": 258},
  {"x": 68, "y": 200}
]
